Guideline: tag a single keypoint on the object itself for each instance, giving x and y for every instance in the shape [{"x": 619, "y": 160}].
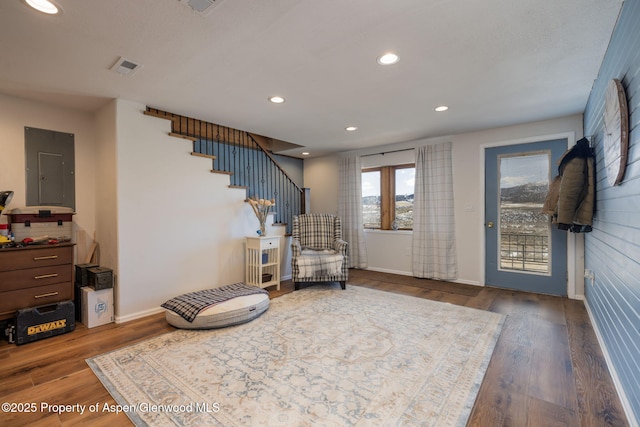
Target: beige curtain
[
  {"x": 434, "y": 239},
  {"x": 350, "y": 209}
]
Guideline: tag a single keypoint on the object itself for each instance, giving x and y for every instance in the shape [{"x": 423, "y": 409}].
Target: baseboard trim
[
  {"x": 469, "y": 282},
  {"x": 409, "y": 273},
  {"x": 626, "y": 405},
  {"x": 386, "y": 270},
  {"x": 139, "y": 315}
]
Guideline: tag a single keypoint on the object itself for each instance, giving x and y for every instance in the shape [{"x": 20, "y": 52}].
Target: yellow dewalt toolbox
[{"x": 36, "y": 323}]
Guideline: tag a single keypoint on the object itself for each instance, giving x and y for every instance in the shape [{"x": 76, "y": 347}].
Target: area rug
[{"x": 320, "y": 356}]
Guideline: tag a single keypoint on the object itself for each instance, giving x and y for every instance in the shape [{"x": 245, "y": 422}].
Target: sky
[
  {"x": 405, "y": 181},
  {"x": 518, "y": 170},
  {"x": 370, "y": 184}
]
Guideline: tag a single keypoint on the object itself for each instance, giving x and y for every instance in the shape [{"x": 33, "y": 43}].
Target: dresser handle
[
  {"x": 50, "y": 294},
  {"x": 46, "y": 276},
  {"x": 40, "y": 258}
]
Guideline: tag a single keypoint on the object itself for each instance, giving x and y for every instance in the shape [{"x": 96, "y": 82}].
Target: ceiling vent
[
  {"x": 125, "y": 67},
  {"x": 202, "y": 7}
]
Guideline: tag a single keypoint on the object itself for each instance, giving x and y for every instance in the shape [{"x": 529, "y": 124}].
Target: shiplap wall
[{"x": 612, "y": 250}]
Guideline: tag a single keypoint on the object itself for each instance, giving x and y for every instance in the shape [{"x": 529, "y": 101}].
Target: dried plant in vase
[{"x": 261, "y": 208}]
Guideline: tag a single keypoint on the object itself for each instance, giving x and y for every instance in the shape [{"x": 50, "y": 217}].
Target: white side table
[{"x": 262, "y": 264}]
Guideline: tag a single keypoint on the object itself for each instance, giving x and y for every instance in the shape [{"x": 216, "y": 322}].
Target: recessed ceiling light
[
  {"x": 276, "y": 99},
  {"x": 351, "y": 128},
  {"x": 442, "y": 108},
  {"x": 305, "y": 153},
  {"x": 388, "y": 59},
  {"x": 44, "y": 6}
]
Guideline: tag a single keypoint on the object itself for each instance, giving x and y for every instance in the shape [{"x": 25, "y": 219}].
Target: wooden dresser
[{"x": 35, "y": 276}]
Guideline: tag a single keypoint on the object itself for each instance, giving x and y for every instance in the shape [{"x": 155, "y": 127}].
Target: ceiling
[{"x": 493, "y": 62}]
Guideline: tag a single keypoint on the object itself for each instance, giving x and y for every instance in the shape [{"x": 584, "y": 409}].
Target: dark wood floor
[{"x": 547, "y": 368}]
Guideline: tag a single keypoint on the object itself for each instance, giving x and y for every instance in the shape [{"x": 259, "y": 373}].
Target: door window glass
[{"x": 524, "y": 232}]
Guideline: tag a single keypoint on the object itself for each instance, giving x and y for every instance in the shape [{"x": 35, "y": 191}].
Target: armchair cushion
[{"x": 319, "y": 263}]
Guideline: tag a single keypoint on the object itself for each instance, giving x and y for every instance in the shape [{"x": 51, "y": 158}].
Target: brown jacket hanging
[{"x": 571, "y": 198}]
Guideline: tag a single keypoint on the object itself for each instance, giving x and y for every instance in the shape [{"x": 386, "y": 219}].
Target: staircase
[{"x": 247, "y": 161}]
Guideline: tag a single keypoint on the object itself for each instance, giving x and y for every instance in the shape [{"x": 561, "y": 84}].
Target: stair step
[
  {"x": 179, "y": 135},
  {"x": 158, "y": 115},
  {"x": 244, "y": 187},
  {"x": 207, "y": 156},
  {"x": 166, "y": 117},
  {"x": 222, "y": 172}
]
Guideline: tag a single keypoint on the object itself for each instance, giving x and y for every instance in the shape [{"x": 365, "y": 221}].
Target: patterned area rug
[{"x": 320, "y": 356}]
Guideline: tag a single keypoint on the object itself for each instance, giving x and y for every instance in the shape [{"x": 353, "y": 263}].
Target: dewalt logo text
[{"x": 56, "y": 324}]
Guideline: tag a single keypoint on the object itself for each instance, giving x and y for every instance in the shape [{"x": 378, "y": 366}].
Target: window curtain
[
  {"x": 434, "y": 241},
  {"x": 350, "y": 209}
]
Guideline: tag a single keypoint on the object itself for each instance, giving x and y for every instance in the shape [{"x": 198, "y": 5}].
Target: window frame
[{"x": 388, "y": 194}]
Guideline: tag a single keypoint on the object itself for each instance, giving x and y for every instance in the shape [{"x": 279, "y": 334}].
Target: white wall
[
  {"x": 321, "y": 176},
  {"x": 15, "y": 114},
  {"x": 180, "y": 228},
  {"x": 387, "y": 250}
]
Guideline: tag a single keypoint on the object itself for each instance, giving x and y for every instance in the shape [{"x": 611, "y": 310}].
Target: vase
[{"x": 263, "y": 229}]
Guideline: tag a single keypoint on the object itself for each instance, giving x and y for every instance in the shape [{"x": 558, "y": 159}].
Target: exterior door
[{"x": 524, "y": 251}]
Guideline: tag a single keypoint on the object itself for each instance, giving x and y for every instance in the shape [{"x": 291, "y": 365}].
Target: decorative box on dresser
[
  {"x": 262, "y": 264},
  {"x": 34, "y": 276}
]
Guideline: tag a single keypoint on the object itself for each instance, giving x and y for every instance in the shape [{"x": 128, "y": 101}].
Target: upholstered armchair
[{"x": 318, "y": 253}]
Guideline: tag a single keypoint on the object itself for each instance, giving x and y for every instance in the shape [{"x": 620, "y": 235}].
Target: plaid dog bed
[{"x": 189, "y": 305}]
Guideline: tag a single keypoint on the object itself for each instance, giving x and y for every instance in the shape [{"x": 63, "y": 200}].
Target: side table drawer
[
  {"x": 32, "y": 297},
  {"x": 34, "y": 277},
  {"x": 270, "y": 242}
]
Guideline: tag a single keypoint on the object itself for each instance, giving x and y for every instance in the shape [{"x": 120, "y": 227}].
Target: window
[
  {"x": 371, "y": 206},
  {"x": 387, "y": 197}
]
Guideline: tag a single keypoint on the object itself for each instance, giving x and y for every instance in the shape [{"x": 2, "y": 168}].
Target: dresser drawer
[
  {"x": 18, "y": 259},
  {"x": 34, "y": 277},
  {"x": 32, "y": 297}
]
